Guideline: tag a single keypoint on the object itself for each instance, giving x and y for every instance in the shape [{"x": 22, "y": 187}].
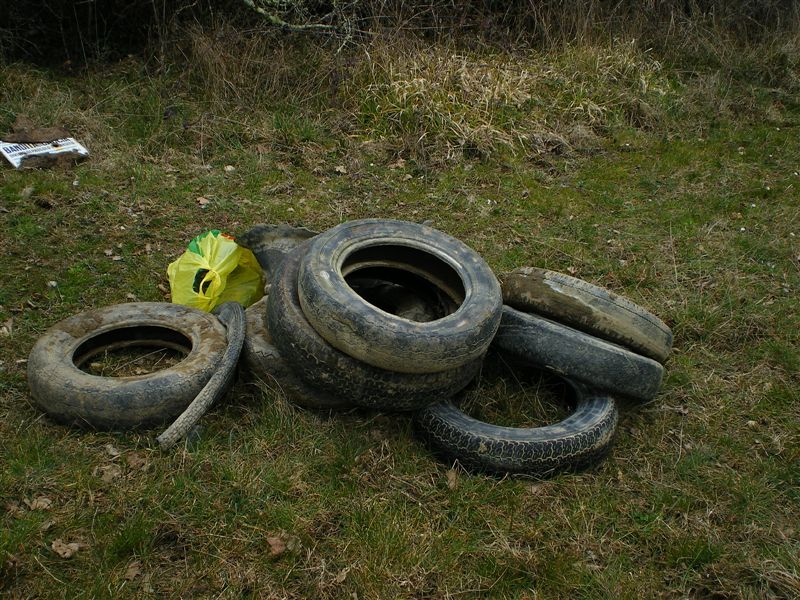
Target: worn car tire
[
  {"x": 324, "y": 367},
  {"x": 589, "y": 308},
  {"x": 262, "y": 360},
  {"x": 580, "y": 440},
  {"x": 364, "y": 331},
  {"x": 71, "y": 396},
  {"x": 560, "y": 349}
]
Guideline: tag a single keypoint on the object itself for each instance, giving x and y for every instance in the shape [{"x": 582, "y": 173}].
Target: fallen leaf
[
  {"x": 276, "y": 546},
  {"x": 536, "y": 488},
  {"x": 13, "y": 507},
  {"x": 452, "y": 479},
  {"x": 135, "y": 460},
  {"x": 108, "y": 473},
  {"x": 40, "y": 503},
  {"x": 116, "y": 258},
  {"x": 163, "y": 289},
  {"x": 148, "y": 248},
  {"x": 342, "y": 575},
  {"x": 108, "y": 252},
  {"x": 406, "y": 177},
  {"x": 202, "y": 201},
  {"x": 133, "y": 571},
  {"x": 112, "y": 451},
  {"x": 131, "y": 297},
  {"x": 7, "y": 328},
  {"x": 46, "y": 525},
  {"x": 229, "y": 168},
  {"x": 398, "y": 164},
  {"x": 145, "y": 584},
  {"x": 341, "y": 169},
  {"x": 65, "y": 550},
  {"x": 52, "y": 284}
]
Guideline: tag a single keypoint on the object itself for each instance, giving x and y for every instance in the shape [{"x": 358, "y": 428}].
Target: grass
[{"x": 691, "y": 214}]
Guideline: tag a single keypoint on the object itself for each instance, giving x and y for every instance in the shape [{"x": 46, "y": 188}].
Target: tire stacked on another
[
  {"x": 397, "y": 316},
  {"x": 383, "y": 314},
  {"x": 601, "y": 344}
]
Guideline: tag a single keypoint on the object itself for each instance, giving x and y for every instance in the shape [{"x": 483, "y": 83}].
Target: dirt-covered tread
[
  {"x": 588, "y": 308},
  {"x": 362, "y": 330},
  {"x": 324, "y": 367},
  {"x": 578, "y": 441},
  {"x": 262, "y": 360},
  {"x": 565, "y": 351},
  {"x": 71, "y": 396}
]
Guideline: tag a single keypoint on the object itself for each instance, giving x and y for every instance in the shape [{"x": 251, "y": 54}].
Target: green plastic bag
[{"x": 215, "y": 269}]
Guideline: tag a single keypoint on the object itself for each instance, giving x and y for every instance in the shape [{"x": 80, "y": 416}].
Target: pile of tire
[
  {"x": 377, "y": 314},
  {"x": 399, "y": 316}
]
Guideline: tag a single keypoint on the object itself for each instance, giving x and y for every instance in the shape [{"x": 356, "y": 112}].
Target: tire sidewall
[{"x": 351, "y": 324}]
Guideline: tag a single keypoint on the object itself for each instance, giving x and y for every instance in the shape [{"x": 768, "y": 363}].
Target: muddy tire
[
  {"x": 578, "y": 441},
  {"x": 263, "y": 362},
  {"x": 71, "y": 396},
  {"x": 323, "y": 367},
  {"x": 588, "y": 308},
  {"x": 565, "y": 351},
  {"x": 366, "y": 332}
]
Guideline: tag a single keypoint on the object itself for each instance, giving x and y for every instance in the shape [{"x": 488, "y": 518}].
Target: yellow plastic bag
[{"x": 215, "y": 269}]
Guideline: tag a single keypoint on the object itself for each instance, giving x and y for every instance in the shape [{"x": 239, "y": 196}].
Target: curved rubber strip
[{"x": 231, "y": 314}]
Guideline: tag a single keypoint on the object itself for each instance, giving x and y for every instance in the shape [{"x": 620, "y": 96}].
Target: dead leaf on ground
[
  {"x": 40, "y": 503},
  {"x": 108, "y": 252},
  {"x": 341, "y": 169},
  {"x": 108, "y": 473},
  {"x": 202, "y": 201},
  {"x": 342, "y": 575},
  {"x": 12, "y": 507},
  {"x": 277, "y": 546},
  {"x": 135, "y": 460},
  {"x": 452, "y": 479},
  {"x": 112, "y": 451},
  {"x": 133, "y": 571},
  {"x": 7, "y": 328},
  {"x": 66, "y": 550},
  {"x": 536, "y": 488},
  {"x": 398, "y": 164}
]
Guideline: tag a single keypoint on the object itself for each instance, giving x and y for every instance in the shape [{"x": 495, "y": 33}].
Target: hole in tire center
[
  {"x": 130, "y": 351},
  {"x": 404, "y": 281},
  {"x": 512, "y": 395}
]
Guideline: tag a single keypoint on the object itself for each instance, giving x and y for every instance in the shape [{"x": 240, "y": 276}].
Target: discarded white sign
[{"x": 15, "y": 153}]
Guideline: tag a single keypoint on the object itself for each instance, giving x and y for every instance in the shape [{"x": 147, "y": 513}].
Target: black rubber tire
[
  {"x": 578, "y": 441},
  {"x": 324, "y": 367},
  {"x": 74, "y": 397},
  {"x": 360, "y": 329},
  {"x": 565, "y": 351},
  {"x": 261, "y": 359},
  {"x": 589, "y": 308}
]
